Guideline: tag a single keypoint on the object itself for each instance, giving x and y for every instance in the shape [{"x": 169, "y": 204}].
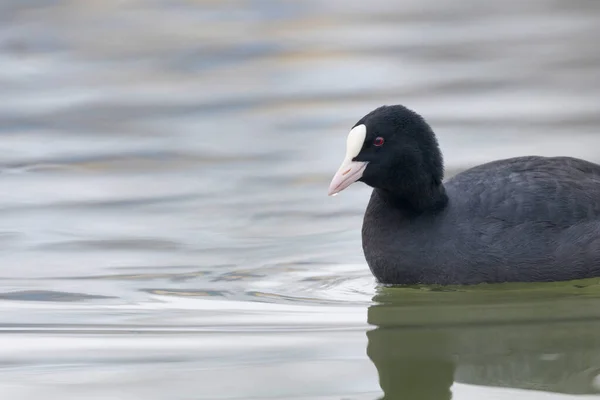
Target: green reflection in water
[{"x": 526, "y": 336}]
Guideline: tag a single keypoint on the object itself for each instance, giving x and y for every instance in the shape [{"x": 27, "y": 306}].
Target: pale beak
[{"x": 348, "y": 173}]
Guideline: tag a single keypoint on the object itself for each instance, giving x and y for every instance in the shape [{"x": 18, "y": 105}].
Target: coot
[{"x": 524, "y": 219}]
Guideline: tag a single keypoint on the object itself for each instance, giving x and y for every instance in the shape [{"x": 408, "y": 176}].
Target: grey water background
[{"x": 165, "y": 229}]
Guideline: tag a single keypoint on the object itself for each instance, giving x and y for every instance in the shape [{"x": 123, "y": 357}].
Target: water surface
[{"x": 165, "y": 229}]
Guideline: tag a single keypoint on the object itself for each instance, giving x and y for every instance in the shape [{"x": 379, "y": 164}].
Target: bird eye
[{"x": 378, "y": 141}]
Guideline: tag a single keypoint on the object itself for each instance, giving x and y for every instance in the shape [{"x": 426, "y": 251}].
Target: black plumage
[{"x": 524, "y": 219}]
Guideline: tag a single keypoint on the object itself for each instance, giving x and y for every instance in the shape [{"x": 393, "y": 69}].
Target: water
[{"x": 165, "y": 228}]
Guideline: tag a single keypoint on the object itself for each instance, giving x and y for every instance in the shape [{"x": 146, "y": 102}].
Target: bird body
[{"x": 526, "y": 219}]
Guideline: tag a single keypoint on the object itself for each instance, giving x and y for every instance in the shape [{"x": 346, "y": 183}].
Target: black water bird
[{"x": 523, "y": 219}]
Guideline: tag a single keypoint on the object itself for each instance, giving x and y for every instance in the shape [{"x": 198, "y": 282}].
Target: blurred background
[{"x": 165, "y": 229}]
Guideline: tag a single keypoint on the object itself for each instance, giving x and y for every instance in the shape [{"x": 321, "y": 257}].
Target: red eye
[{"x": 378, "y": 141}]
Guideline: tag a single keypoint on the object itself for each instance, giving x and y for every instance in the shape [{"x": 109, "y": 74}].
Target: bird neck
[{"x": 417, "y": 200}]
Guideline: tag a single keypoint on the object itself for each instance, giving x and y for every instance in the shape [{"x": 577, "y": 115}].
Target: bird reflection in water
[{"x": 545, "y": 338}]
